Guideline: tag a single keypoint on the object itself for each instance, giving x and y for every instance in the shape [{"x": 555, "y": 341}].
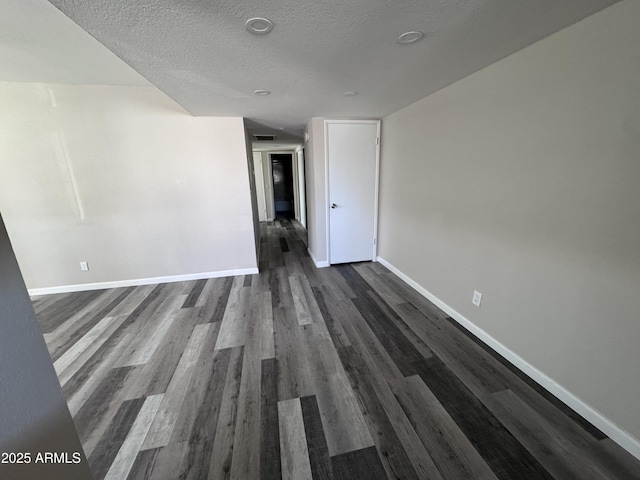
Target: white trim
[
  {"x": 613, "y": 431},
  {"x": 140, "y": 281},
  {"x": 326, "y": 189},
  {"x": 377, "y": 180},
  {"x": 377, "y": 190},
  {"x": 295, "y": 180},
  {"x": 316, "y": 262}
]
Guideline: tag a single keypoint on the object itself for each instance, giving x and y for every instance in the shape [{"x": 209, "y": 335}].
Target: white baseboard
[
  {"x": 318, "y": 264},
  {"x": 613, "y": 431},
  {"x": 140, "y": 281}
]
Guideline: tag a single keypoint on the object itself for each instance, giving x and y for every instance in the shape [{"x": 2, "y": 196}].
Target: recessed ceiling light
[
  {"x": 259, "y": 26},
  {"x": 350, "y": 94},
  {"x": 262, "y": 93},
  {"x": 410, "y": 37}
]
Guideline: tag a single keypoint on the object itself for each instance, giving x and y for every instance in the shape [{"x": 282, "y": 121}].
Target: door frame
[
  {"x": 273, "y": 193},
  {"x": 302, "y": 185},
  {"x": 258, "y": 173},
  {"x": 327, "y": 122}
]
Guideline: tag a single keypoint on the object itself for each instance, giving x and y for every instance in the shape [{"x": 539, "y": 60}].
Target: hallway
[{"x": 303, "y": 373}]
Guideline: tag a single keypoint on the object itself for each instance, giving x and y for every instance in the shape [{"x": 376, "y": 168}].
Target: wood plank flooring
[{"x": 303, "y": 373}]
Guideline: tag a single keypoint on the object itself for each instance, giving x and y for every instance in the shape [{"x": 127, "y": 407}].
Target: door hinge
[
  {"x": 377, "y": 140},
  {"x": 374, "y": 241}
]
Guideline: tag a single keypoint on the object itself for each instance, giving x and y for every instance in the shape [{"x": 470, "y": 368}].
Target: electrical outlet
[
  {"x": 84, "y": 266},
  {"x": 477, "y": 298}
]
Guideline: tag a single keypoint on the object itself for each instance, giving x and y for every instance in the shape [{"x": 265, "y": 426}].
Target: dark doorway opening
[{"x": 282, "y": 172}]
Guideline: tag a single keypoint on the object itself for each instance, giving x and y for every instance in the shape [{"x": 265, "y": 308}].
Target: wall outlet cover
[{"x": 477, "y": 298}]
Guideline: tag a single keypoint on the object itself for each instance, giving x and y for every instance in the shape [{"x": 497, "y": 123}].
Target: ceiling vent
[{"x": 264, "y": 138}]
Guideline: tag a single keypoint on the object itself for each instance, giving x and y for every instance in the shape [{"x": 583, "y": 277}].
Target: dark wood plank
[
  {"x": 393, "y": 456},
  {"x": 617, "y": 459},
  {"x": 484, "y": 374},
  {"x": 144, "y": 464},
  {"x": 194, "y": 294},
  {"x": 202, "y": 431},
  {"x": 361, "y": 464},
  {"x": 279, "y": 287},
  {"x": 284, "y": 246},
  {"x": 543, "y": 440},
  {"x": 199, "y": 410},
  {"x": 219, "y": 303},
  {"x": 54, "y": 316},
  {"x": 222, "y": 454},
  {"x": 338, "y": 335},
  {"x": 94, "y": 410},
  {"x": 108, "y": 446},
  {"x": 503, "y": 453},
  {"x": 585, "y": 424},
  {"x": 154, "y": 377},
  {"x": 84, "y": 324},
  {"x": 319, "y": 459},
  {"x": 476, "y": 370},
  {"x": 293, "y": 371},
  {"x": 401, "y": 325},
  {"x": 401, "y": 350},
  {"x": 452, "y": 453},
  {"x": 270, "y": 467}
]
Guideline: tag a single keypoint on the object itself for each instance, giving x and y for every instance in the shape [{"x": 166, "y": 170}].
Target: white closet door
[{"x": 352, "y": 152}]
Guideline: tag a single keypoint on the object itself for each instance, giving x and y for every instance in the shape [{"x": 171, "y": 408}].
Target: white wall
[
  {"x": 316, "y": 191},
  {"x": 260, "y": 186},
  {"x": 253, "y": 190},
  {"x": 123, "y": 178},
  {"x": 268, "y": 186},
  {"x": 523, "y": 181}
]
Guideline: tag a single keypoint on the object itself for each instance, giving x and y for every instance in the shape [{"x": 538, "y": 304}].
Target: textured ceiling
[{"x": 199, "y": 53}]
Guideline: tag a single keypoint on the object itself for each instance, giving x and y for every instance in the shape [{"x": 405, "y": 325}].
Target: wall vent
[{"x": 264, "y": 138}]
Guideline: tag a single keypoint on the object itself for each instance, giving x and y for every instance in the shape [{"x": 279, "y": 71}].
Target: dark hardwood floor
[{"x": 303, "y": 373}]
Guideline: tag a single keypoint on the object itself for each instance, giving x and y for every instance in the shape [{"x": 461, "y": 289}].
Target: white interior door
[{"x": 352, "y": 152}]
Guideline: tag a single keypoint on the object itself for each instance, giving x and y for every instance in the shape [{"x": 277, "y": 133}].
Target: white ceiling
[{"x": 199, "y": 53}]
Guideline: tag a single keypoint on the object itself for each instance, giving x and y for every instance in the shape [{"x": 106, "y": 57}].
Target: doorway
[{"x": 282, "y": 173}]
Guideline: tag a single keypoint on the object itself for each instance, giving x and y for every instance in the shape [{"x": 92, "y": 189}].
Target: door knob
[{"x": 333, "y": 205}]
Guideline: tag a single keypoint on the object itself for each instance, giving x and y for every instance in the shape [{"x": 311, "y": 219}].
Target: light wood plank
[
  {"x": 445, "y": 443},
  {"x": 149, "y": 343},
  {"x": 300, "y": 302},
  {"x": 80, "y": 396},
  {"x": 69, "y": 364},
  {"x": 294, "y": 454},
  {"x": 160, "y": 432},
  {"x": 129, "y": 450},
  {"x": 233, "y": 328}
]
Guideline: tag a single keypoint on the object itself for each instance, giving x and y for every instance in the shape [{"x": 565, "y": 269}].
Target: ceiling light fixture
[
  {"x": 259, "y": 26},
  {"x": 410, "y": 37},
  {"x": 350, "y": 94},
  {"x": 262, "y": 93}
]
